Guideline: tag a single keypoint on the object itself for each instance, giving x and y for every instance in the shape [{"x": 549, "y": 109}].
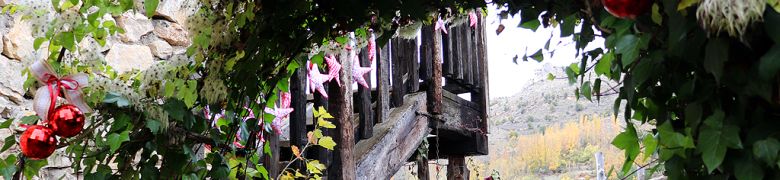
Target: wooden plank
[
  {"x": 363, "y": 103},
  {"x": 457, "y": 169},
  {"x": 435, "y": 88},
  {"x": 422, "y": 168},
  {"x": 394, "y": 141},
  {"x": 466, "y": 54},
  {"x": 298, "y": 117},
  {"x": 383, "y": 83},
  {"x": 426, "y": 55},
  {"x": 343, "y": 166},
  {"x": 398, "y": 72},
  {"x": 413, "y": 65},
  {"x": 457, "y": 56},
  {"x": 447, "y": 48},
  {"x": 271, "y": 162},
  {"x": 474, "y": 52}
]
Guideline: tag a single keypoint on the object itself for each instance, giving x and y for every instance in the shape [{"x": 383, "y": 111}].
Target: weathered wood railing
[{"x": 415, "y": 94}]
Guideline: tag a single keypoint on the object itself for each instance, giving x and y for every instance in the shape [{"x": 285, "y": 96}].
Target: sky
[{"x": 507, "y": 78}]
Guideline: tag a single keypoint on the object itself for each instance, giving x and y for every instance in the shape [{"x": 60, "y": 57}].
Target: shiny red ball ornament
[
  {"x": 38, "y": 142},
  {"x": 66, "y": 121},
  {"x": 627, "y": 9}
]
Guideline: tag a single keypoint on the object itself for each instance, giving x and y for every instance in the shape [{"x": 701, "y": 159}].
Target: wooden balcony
[{"x": 416, "y": 95}]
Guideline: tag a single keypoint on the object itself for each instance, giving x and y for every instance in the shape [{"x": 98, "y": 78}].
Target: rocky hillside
[{"x": 542, "y": 103}]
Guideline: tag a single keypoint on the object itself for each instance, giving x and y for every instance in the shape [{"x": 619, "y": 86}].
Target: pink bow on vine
[{"x": 46, "y": 97}]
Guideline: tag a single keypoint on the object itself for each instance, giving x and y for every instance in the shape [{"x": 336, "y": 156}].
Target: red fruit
[
  {"x": 66, "y": 121},
  {"x": 627, "y": 8},
  {"x": 38, "y": 142}
]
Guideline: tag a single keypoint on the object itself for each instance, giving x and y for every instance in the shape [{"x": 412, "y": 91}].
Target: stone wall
[{"x": 145, "y": 42}]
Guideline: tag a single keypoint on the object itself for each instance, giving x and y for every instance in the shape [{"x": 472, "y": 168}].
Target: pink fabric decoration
[
  {"x": 472, "y": 19},
  {"x": 316, "y": 79},
  {"x": 440, "y": 26},
  {"x": 333, "y": 68},
  {"x": 358, "y": 71}
]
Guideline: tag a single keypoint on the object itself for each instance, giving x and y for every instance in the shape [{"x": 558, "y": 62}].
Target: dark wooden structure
[{"x": 417, "y": 94}]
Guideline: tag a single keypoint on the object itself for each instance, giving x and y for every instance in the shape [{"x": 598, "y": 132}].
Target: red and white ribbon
[{"x": 46, "y": 97}]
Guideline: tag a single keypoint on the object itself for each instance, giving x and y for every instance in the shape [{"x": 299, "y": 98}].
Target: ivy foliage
[{"x": 708, "y": 99}]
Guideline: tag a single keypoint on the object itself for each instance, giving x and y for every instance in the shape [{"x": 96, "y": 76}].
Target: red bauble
[
  {"x": 627, "y": 8},
  {"x": 38, "y": 142},
  {"x": 66, "y": 121}
]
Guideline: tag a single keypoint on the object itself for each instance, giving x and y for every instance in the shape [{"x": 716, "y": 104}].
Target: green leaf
[
  {"x": 327, "y": 142},
  {"x": 775, "y": 4},
  {"x": 628, "y": 47},
  {"x": 8, "y": 142},
  {"x": 550, "y": 76},
  {"x": 717, "y": 53},
  {"x": 651, "y": 145},
  {"x": 628, "y": 142},
  {"x": 769, "y": 65},
  {"x": 31, "y": 119},
  {"x": 714, "y": 138},
  {"x": 772, "y": 21},
  {"x": 150, "y": 6},
  {"x": 686, "y": 3},
  {"x": 325, "y": 123},
  {"x": 342, "y": 40},
  {"x": 118, "y": 99},
  {"x": 538, "y": 56},
  {"x": 572, "y": 76},
  {"x": 6, "y": 123},
  {"x": 31, "y": 167},
  {"x": 8, "y": 167},
  {"x": 603, "y": 67},
  {"x": 748, "y": 169},
  {"x": 585, "y": 90},
  {"x": 567, "y": 26},
  {"x": 154, "y": 126},
  {"x": 532, "y": 24},
  {"x": 38, "y": 42},
  {"x": 656, "y": 16},
  {"x": 766, "y": 150},
  {"x": 115, "y": 140}
]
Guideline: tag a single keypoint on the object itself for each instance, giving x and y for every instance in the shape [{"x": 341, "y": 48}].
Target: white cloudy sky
[{"x": 508, "y": 78}]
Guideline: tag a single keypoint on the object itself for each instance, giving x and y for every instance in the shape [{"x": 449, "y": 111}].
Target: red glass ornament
[
  {"x": 627, "y": 8},
  {"x": 38, "y": 142},
  {"x": 66, "y": 121}
]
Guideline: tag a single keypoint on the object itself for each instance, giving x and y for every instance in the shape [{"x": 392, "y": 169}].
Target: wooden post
[
  {"x": 457, "y": 56},
  {"x": 483, "y": 96},
  {"x": 398, "y": 73},
  {"x": 363, "y": 104},
  {"x": 600, "y": 173},
  {"x": 426, "y": 55},
  {"x": 298, "y": 117},
  {"x": 422, "y": 168},
  {"x": 466, "y": 54},
  {"x": 341, "y": 108},
  {"x": 434, "y": 91},
  {"x": 456, "y": 168},
  {"x": 383, "y": 83},
  {"x": 410, "y": 52},
  {"x": 271, "y": 162}
]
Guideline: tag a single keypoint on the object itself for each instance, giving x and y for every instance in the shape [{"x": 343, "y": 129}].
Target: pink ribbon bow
[{"x": 46, "y": 98}]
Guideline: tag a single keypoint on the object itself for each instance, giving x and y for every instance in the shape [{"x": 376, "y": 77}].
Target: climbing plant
[
  {"x": 154, "y": 123},
  {"x": 698, "y": 79}
]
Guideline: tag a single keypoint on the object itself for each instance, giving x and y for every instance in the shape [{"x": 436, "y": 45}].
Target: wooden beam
[
  {"x": 456, "y": 168},
  {"x": 474, "y": 52},
  {"x": 413, "y": 65},
  {"x": 482, "y": 98},
  {"x": 426, "y": 54},
  {"x": 271, "y": 163},
  {"x": 363, "y": 103},
  {"x": 394, "y": 141},
  {"x": 298, "y": 117},
  {"x": 383, "y": 83},
  {"x": 435, "y": 87},
  {"x": 343, "y": 166}
]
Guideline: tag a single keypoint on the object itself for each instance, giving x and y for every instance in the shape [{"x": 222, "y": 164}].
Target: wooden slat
[
  {"x": 456, "y": 168},
  {"x": 477, "y": 58},
  {"x": 474, "y": 52},
  {"x": 383, "y": 83},
  {"x": 343, "y": 166},
  {"x": 398, "y": 73},
  {"x": 363, "y": 103},
  {"x": 413, "y": 65},
  {"x": 426, "y": 55},
  {"x": 271, "y": 162},
  {"x": 483, "y": 96},
  {"x": 422, "y": 168},
  {"x": 465, "y": 30},
  {"x": 457, "y": 56},
  {"x": 447, "y": 48},
  {"x": 394, "y": 141},
  {"x": 298, "y": 117}
]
